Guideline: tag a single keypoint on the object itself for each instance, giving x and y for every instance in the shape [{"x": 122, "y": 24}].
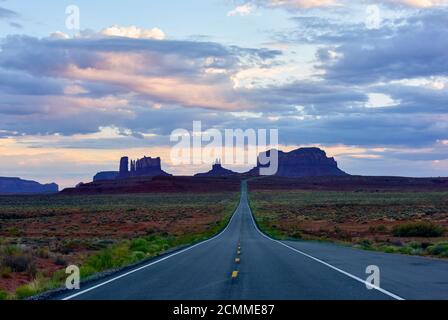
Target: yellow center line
[{"x": 234, "y": 274}]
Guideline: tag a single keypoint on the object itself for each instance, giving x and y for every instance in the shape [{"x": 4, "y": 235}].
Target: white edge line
[
  {"x": 390, "y": 294},
  {"x": 155, "y": 262}
]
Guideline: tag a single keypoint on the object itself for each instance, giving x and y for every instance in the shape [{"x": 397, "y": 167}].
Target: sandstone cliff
[{"x": 304, "y": 162}]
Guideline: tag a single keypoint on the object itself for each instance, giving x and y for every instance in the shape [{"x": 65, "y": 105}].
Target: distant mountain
[
  {"x": 217, "y": 171},
  {"x": 106, "y": 175},
  {"x": 19, "y": 186},
  {"x": 303, "y": 162}
]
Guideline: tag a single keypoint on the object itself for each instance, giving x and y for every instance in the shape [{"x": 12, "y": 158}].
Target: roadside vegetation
[
  {"x": 41, "y": 236},
  {"x": 414, "y": 223}
]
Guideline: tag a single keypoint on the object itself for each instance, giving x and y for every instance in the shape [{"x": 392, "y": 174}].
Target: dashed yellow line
[{"x": 234, "y": 274}]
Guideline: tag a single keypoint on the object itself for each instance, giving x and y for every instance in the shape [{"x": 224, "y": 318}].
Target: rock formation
[
  {"x": 106, "y": 175},
  {"x": 145, "y": 167},
  {"x": 217, "y": 171},
  {"x": 304, "y": 162},
  {"x": 124, "y": 166},
  {"x": 19, "y": 186}
]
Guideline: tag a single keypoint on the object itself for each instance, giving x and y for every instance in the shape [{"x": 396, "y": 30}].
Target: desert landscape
[
  {"x": 125, "y": 217},
  {"x": 40, "y": 235},
  {"x": 257, "y": 152},
  {"x": 390, "y": 214}
]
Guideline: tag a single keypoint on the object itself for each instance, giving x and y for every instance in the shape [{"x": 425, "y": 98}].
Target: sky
[{"x": 365, "y": 80}]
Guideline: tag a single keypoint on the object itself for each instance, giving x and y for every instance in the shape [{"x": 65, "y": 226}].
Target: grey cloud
[
  {"x": 417, "y": 48},
  {"x": 317, "y": 97},
  {"x": 7, "y": 14},
  {"x": 35, "y": 67},
  {"x": 12, "y": 82},
  {"x": 415, "y": 99},
  {"x": 16, "y": 25},
  {"x": 172, "y": 57}
]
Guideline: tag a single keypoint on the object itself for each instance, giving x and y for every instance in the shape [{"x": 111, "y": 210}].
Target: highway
[{"x": 241, "y": 263}]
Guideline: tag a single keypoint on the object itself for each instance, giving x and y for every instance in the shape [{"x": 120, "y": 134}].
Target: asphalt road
[{"x": 270, "y": 270}]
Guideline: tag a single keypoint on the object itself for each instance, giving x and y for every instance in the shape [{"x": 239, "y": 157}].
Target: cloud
[
  {"x": 243, "y": 10},
  {"x": 247, "y": 7},
  {"x": 133, "y": 32},
  {"x": 76, "y": 85},
  {"x": 7, "y": 14},
  {"x": 297, "y": 4},
  {"x": 420, "y": 3},
  {"x": 414, "y": 47},
  {"x": 316, "y": 97},
  {"x": 293, "y": 5},
  {"x": 16, "y": 25}
]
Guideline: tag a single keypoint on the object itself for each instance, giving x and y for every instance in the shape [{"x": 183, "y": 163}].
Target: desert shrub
[
  {"x": 9, "y": 250},
  {"x": 110, "y": 258},
  {"x": 38, "y": 285},
  {"x": 418, "y": 229},
  {"x": 140, "y": 245},
  {"x": 56, "y": 280},
  {"x": 297, "y": 235},
  {"x": 25, "y": 291},
  {"x": 440, "y": 249},
  {"x": 86, "y": 271},
  {"x": 365, "y": 243},
  {"x": 390, "y": 249},
  {"x": 3, "y": 295},
  {"x": 101, "y": 261},
  {"x": 60, "y": 261},
  {"x": 418, "y": 251},
  {"x": 5, "y": 272},
  {"x": 411, "y": 249},
  {"x": 415, "y": 245},
  {"x": 43, "y": 253},
  {"x": 19, "y": 261},
  {"x": 426, "y": 245},
  {"x": 100, "y": 244},
  {"x": 67, "y": 247},
  {"x": 59, "y": 275},
  {"x": 377, "y": 229},
  {"x": 14, "y": 232},
  {"x": 138, "y": 255},
  {"x": 121, "y": 255}
]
